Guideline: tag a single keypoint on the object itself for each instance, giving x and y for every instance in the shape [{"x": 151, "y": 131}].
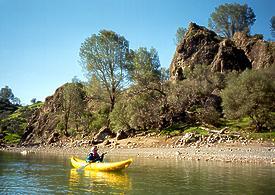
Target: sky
[{"x": 40, "y": 39}]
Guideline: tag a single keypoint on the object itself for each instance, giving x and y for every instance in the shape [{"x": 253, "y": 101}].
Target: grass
[
  {"x": 36, "y": 105},
  {"x": 196, "y": 130},
  {"x": 178, "y": 129},
  {"x": 236, "y": 125},
  {"x": 175, "y": 129},
  {"x": 268, "y": 136},
  {"x": 12, "y": 138},
  {"x": 242, "y": 126},
  {"x": 13, "y": 125}
]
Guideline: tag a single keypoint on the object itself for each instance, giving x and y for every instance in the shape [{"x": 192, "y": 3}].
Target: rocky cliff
[
  {"x": 203, "y": 46},
  {"x": 42, "y": 124}
]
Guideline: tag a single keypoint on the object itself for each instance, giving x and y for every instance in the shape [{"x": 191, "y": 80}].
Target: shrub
[{"x": 251, "y": 94}]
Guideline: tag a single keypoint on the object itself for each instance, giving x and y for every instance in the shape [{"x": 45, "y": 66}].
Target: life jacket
[{"x": 93, "y": 157}]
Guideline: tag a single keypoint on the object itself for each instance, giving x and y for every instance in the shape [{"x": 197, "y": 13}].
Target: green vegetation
[
  {"x": 73, "y": 106},
  {"x": 196, "y": 130},
  {"x": 12, "y": 138},
  {"x": 106, "y": 57},
  {"x": 262, "y": 136},
  {"x": 251, "y": 94},
  {"x": 180, "y": 128},
  {"x": 12, "y": 126},
  {"x": 180, "y": 35},
  {"x": 6, "y": 95},
  {"x": 236, "y": 125},
  {"x": 230, "y": 18}
]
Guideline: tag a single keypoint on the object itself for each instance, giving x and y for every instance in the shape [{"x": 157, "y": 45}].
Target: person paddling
[{"x": 93, "y": 156}]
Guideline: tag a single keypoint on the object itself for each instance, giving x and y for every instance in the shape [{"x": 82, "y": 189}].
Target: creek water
[{"x": 53, "y": 174}]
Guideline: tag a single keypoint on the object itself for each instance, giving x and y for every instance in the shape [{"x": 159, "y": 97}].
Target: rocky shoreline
[{"x": 158, "y": 148}]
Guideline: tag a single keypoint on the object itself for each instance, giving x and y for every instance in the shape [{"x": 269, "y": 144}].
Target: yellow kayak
[{"x": 101, "y": 166}]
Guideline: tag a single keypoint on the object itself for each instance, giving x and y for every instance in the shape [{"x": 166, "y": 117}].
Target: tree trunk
[{"x": 66, "y": 121}]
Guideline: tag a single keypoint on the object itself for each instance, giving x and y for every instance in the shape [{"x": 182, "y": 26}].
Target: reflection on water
[
  {"x": 199, "y": 177},
  {"x": 99, "y": 181},
  {"x": 46, "y": 174}
]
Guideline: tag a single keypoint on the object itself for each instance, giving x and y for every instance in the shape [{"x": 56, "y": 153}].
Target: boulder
[
  {"x": 188, "y": 138},
  {"x": 121, "y": 134},
  {"x": 103, "y": 133},
  {"x": 53, "y": 138},
  {"x": 106, "y": 142}
]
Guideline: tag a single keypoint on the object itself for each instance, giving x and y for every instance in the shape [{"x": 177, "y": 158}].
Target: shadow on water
[{"x": 51, "y": 174}]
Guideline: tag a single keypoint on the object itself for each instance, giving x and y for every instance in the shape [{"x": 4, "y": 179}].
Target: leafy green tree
[
  {"x": 120, "y": 116},
  {"x": 145, "y": 67},
  {"x": 105, "y": 56},
  {"x": 139, "y": 111},
  {"x": 180, "y": 35},
  {"x": 6, "y": 94},
  {"x": 98, "y": 104},
  {"x": 272, "y": 26},
  {"x": 141, "y": 105},
  {"x": 251, "y": 94},
  {"x": 230, "y": 18},
  {"x": 73, "y": 105}
]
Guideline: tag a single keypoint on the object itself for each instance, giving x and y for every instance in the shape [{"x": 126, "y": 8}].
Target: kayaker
[{"x": 93, "y": 156}]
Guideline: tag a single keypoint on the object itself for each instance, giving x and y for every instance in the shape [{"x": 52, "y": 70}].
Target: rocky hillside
[
  {"x": 42, "y": 124},
  {"x": 203, "y": 46}
]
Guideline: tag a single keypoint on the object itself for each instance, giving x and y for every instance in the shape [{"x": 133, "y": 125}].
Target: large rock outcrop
[
  {"x": 260, "y": 53},
  {"x": 203, "y": 46},
  {"x": 43, "y": 122}
]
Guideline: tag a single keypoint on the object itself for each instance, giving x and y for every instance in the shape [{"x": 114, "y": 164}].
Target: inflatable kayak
[{"x": 100, "y": 166}]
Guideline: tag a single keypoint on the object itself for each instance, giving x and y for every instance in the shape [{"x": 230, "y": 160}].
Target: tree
[
  {"x": 251, "y": 94},
  {"x": 272, "y": 26},
  {"x": 6, "y": 94},
  {"x": 139, "y": 111},
  {"x": 230, "y": 18},
  {"x": 141, "y": 104},
  {"x": 98, "y": 104},
  {"x": 73, "y": 105},
  {"x": 195, "y": 98},
  {"x": 180, "y": 35},
  {"x": 105, "y": 56},
  {"x": 145, "y": 67},
  {"x": 33, "y": 100}
]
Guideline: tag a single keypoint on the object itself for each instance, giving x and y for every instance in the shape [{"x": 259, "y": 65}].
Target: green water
[{"x": 52, "y": 174}]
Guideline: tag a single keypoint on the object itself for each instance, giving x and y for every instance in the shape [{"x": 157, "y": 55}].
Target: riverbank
[{"x": 163, "y": 147}]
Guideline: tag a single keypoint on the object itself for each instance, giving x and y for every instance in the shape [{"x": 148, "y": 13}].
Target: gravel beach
[{"x": 164, "y": 148}]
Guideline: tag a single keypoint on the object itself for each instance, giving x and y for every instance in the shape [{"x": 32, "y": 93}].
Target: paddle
[{"x": 83, "y": 167}]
